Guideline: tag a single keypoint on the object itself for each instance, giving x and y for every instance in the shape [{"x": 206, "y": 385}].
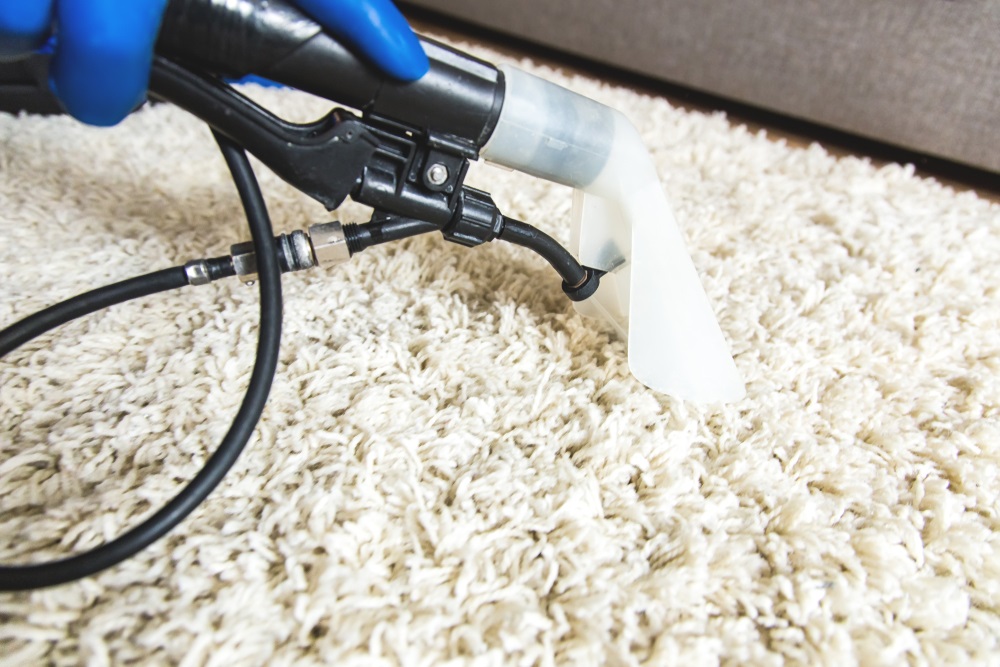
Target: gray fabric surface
[{"x": 921, "y": 74}]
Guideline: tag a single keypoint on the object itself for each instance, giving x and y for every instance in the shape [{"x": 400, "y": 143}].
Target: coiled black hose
[{"x": 23, "y": 577}]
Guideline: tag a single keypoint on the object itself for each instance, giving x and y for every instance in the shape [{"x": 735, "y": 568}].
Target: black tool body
[
  {"x": 459, "y": 96},
  {"x": 406, "y": 154}
]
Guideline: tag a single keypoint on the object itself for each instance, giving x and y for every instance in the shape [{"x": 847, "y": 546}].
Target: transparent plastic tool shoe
[{"x": 622, "y": 224}]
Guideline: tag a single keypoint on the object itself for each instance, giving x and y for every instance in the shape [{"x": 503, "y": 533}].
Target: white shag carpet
[{"x": 454, "y": 468}]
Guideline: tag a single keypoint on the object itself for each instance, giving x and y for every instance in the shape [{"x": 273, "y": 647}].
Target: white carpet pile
[{"x": 455, "y": 468}]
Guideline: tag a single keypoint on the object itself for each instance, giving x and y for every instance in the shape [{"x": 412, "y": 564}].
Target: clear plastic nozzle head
[{"x": 623, "y": 224}]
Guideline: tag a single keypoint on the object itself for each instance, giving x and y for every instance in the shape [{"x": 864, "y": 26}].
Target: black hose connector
[
  {"x": 476, "y": 221},
  {"x": 586, "y": 288}
]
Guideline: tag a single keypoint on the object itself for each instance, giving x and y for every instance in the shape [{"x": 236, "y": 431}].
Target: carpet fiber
[{"x": 455, "y": 468}]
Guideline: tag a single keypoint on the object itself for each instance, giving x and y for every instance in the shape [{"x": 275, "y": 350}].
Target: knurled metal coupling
[
  {"x": 323, "y": 245},
  {"x": 294, "y": 254}
]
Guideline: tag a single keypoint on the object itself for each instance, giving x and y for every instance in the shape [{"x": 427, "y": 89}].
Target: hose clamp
[{"x": 197, "y": 272}]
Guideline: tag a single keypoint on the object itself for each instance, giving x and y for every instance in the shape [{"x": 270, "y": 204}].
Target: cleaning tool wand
[{"x": 623, "y": 225}]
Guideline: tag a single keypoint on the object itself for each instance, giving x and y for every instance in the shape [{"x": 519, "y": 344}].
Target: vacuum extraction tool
[
  {"x": 465, "y": 108},
  {"x": 623, "y": 226},
  {"x": 403, "y": 149}
]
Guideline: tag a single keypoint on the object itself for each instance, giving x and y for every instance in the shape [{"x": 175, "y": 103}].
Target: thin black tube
[
  {"x": 361, "y": 237},
  {"x": 523, "y": 234},
  {"x": 398, "y": 229},
  {"x": 24, "y": 577},
  {"x": 35, "y": 325}
]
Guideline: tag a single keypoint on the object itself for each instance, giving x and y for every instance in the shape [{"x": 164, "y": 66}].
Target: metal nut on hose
[
  {"x": 244, "y": 261},
  {"x": 329, "y": 245}
]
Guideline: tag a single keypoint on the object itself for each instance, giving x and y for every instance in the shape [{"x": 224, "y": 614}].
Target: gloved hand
[{"x": 104, "y": 50}]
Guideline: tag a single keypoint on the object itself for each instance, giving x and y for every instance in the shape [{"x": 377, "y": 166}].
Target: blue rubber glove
[{"x": 100, "y": 69}]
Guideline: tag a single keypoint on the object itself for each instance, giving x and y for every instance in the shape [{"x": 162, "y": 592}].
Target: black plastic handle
[{"x": 460, "y": 96}]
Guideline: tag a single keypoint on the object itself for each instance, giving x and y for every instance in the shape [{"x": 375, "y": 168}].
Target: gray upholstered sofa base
[{"x": 920, "y": 74}]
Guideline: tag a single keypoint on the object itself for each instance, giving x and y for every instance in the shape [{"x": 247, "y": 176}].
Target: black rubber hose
[
  {"x": 523, "y": 234},
  {"x": 35, "y": 325},
  {"x": 24, "y": 577}
]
